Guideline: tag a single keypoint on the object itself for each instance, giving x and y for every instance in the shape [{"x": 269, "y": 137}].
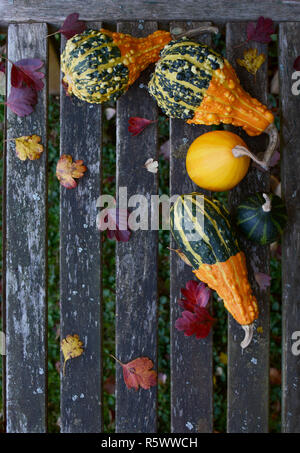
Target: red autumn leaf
[
  {"x": 195, "y": 294},
  {"x": 72, "y": 26},
  {"x": 296, "y": 64},
  {"x": 196, "y": 323},
  {"x": 22, "y": 100},
  {"x": 138, "y": 373},
  {"x": 262, "y": 31},
  {"x": 263, "y": 280},
  {"x": 2, "y": 66},
  {"x": 67, "y": 170},
  {"x": 115, "y": 221},
  {"x": 137, "y": 125},
  {"x": 26, "y": 72}
]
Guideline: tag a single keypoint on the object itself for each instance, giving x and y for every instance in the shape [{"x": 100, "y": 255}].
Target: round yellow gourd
[{"x": 211, "y": 164}]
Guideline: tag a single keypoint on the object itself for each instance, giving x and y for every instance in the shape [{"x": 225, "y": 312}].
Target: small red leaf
[
  {"x": 72, "y": 26},
  {"x": 263, "y": 280},
  {"x": 2, "y": 66},
  {"x": 22, "y": 100},
  {"x": 138, "y": 373},
  {"x": 297, "y": 64},
  {"x": 115, "y": 221},
  {"x": 26, "y": 72},
  {"x": 262, "y": 31},
  {"x": 137, "y": 125},
  {"x": 197, "y": 323},
  {"x": 195, "y": 294}
]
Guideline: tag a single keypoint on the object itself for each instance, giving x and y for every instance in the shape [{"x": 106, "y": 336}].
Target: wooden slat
[
  {"x": 248, "y": 370},
  {"x": 136, "y": 260},
  {"x": 55, "y": 11},
  {"x": 191, "y": 359},
  {"x": 80, "y": 271},
  {"x": 289, "y": 49},
  {"x": 26, "y": 252}
]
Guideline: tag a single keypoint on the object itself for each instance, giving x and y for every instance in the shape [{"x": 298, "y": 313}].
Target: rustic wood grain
[
  {"x": 80, "y": 267},
  {"x": 248, "y": 370},
  {"x": 26, "y": 252},
  {"x": 289, "y": 49},
  {"x": 55, "y": 11},
  {"x": 136, "y": 260},
  {"x": 191, "y": 359}
]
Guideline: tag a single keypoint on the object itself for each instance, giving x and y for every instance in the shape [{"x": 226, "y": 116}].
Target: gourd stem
[
  {"x": 273, "y": 142},
  {"x": 239, "y": 151},
  {"x": 272, "y": 131},
  {"x": 249, "y": 329},
  {"x": 196, "y": 31},
  {"x": 267, "y": 206}
]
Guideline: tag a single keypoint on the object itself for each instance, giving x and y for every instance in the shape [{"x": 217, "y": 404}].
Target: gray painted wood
[
  {"x": 289, "y": 49},
  {"x": 191, "y": 359},
  {"x": 136, "y": 260},
  {"x": 55, "y": 11},
  {"x": 80, "y": 267},
  {"x": 248, "y": 370},
  {"x": 26, "y": 252}
]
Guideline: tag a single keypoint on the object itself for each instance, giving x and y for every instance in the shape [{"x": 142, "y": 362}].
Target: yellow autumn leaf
[
  {"x": 260, "y": 329},
  {"x": 252, "y": 61},
  {"x": 223, "y": 358},
  {"x": 71, "y": 347},
  {"x": 29, "y": 147}
]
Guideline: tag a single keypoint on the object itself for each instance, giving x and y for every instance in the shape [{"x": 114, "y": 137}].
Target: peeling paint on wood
[
  {"x": 136, "y": 260},
  {"x": 248, "y": 377},
  {"x": 26, "y": 252},
  {"x": 80, "y": 267}
]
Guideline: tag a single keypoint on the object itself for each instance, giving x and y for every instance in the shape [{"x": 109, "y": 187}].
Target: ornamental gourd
[
  {"x": 261, "y": 217},
  {"x": 195, "y": 83},
  {"x": 99, "y": 66},
  {"x": 202, "y": 230},
  {"x": 211, "y": 162}
]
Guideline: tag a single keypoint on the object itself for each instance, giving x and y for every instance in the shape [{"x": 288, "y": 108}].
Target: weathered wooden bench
[{"x": 25, "y": 239}]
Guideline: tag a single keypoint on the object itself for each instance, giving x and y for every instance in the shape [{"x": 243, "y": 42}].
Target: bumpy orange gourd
[
  {"x": 211, "y": 164},
  {"x": 99, "y": 66},
  {"x": 202, "y": 230},
  {"x": 227, "y": 102},
  {"x": 195, "y": 83}
]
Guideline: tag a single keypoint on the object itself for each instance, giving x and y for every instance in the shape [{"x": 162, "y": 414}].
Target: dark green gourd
[{"x": 261, "y": 218}]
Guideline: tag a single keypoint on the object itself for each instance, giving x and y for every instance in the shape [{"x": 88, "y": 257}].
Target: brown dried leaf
[
  {"x": 181, "y": 255},
  {"x": 67, "y": 170}
]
